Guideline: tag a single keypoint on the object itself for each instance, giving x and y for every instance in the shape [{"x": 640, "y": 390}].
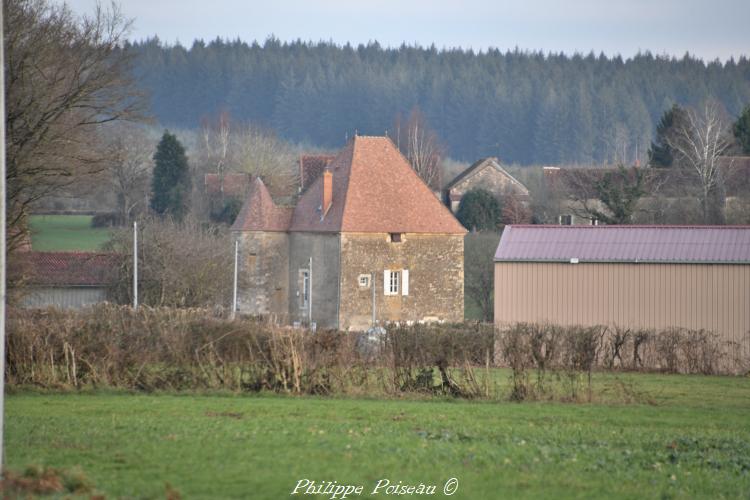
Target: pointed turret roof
[{"x": 260, "y": 213}]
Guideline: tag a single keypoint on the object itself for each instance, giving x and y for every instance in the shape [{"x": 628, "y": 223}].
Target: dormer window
[{"x": 395, "y": 237}]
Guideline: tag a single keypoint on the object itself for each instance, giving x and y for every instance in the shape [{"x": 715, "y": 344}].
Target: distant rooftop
[{"x": 663, "y": 244}]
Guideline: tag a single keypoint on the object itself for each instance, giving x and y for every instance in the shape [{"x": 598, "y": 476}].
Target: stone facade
[
  {"x": 435, "y": 278},
  {"x": 264, "y": 273},
  {"x": 322, "y": 300},
  {"x": 486, "y": 174}
]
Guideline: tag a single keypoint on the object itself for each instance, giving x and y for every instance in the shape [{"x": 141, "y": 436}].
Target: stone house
[
  {"x": 366, "y": 243},
  {"x": 488, "y": 174}
]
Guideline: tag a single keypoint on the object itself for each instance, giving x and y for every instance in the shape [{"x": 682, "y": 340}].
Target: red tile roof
[
  {"x": 69, "y": 268},
  {"x": 374, "y": 190},
  {"x": 260, "y": 213},
  {"x": 678, "y": 244},
  {"x": 235, "y": 184},
  {"x": 310, "y": 168}
]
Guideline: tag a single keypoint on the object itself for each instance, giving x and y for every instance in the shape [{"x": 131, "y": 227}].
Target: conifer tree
[
  {"x": 170, "y": 187},
  {"x": 742, "y": 130},
  {"x": 661, "y": 154}
]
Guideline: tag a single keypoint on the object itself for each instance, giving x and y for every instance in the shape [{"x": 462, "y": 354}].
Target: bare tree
[
  {"x": 611, "y": 197},
  {"x": 699, "y": 144},
  {"x": 514, "y": 209},
  {"x": 261, "y": 153},
  {"x": 479, "y": 271},
  {"x": 64, "y": 77},
  {"x": 187, "y": 264},
  {"x": 216, "y": 134},
  {"x": 421, "y": 146},
  {"x": 128, "y": 166}
]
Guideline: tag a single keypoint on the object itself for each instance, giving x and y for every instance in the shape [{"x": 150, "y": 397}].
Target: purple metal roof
[{"x": 707, "y": 244}]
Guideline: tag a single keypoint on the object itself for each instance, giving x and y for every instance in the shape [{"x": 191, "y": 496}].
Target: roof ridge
[{"x": 344, "y": 203}]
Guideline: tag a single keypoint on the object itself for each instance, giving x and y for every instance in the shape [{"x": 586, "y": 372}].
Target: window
[
  {"x": 396, "y": 282},
  {"x": 566, "y": 220},
  {"x": 395, "y": 277},
  {"x": 594, "y": 222},
  {"x": 305, "y": 288},
  {"x": 395, "y": 237},
  {"x": 364, "y": 281}
]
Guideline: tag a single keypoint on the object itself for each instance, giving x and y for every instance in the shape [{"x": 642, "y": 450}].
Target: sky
[{"x": 707, "y": 29}]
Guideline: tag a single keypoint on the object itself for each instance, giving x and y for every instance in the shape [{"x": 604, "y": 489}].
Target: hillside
[{"x": 525, "y": 107}]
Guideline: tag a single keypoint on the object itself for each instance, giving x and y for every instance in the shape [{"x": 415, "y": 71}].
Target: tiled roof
[
  {"x": 374, "y": 190},
  {"x": 69, "y": 268},
  {"x": 678, "y": 244},
  {"x": 235, "y": 184},
  {"x": 311, "y": 166},
  {"x": 260, "y": 213}
]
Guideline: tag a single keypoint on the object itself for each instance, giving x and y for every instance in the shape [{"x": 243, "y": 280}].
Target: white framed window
[
  {"x": 364, "y": 280},
  {"x": 396, "y": 282}
]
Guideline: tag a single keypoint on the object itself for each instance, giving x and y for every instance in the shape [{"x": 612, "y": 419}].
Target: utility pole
[
  {"x": 372, "y": 285},
  {"x": 234, "y": 288},
  {"x": 309, "y": 293},
  {"x": 3, "y": 207},
  {"x": 135, "y": 265}
]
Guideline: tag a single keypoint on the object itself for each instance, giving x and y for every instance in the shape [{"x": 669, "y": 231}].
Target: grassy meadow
[
  {"x": 63, "y": 233},
  {"x": 684, "y": 437}
]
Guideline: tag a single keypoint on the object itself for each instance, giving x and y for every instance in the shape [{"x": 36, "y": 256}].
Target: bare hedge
[
  {"x": 194, "y": 349},
  {"x": 536, "y": 352},
  {"x": 201, "y": 349}
]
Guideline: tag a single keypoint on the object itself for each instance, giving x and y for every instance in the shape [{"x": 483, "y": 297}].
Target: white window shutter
[
  {"x": 386, "y": 282},
  {"x": 405, "y": 282}
]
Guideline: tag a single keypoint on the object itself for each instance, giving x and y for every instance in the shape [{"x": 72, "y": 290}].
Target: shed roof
[
  {"x": 654, "y": 244},
  {"x": 70, "y": 268}
]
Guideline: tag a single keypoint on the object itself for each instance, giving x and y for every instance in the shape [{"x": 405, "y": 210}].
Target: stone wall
[
  {"x": 264, "y": 273},
  {"x": 436, "y": 278},
  {"x": 488, "y": 178},
  {"x": 324, "y": 299}
]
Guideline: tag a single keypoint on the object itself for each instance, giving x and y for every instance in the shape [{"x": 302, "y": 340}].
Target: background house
[
  {"x": 631, "y": 276},
  {"x": 488, "y": 174},
  {"x": 367, "y": 242}
]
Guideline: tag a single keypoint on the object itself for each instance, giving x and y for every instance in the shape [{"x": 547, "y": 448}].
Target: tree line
[{"x": 525, "y": 107}]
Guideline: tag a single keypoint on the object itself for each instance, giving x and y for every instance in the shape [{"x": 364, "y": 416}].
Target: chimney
[{"x": 327, "y": 190}]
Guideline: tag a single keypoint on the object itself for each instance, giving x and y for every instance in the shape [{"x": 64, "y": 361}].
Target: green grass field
[
  {"x": 56, "y": 233},
  {"x": 691, "y": 441}
]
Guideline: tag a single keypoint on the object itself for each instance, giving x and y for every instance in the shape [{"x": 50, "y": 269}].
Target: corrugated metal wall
[
  {"x": 64, "y": 297},
  {"x": 713, "y": 297}
]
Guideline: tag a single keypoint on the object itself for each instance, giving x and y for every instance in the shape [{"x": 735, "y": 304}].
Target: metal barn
[{"x": 652, "y": 277}]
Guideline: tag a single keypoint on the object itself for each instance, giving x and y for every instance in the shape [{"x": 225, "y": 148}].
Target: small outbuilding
[
  {"x": 67, "y": 280},
  {"x": 653, "y": 277}
]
